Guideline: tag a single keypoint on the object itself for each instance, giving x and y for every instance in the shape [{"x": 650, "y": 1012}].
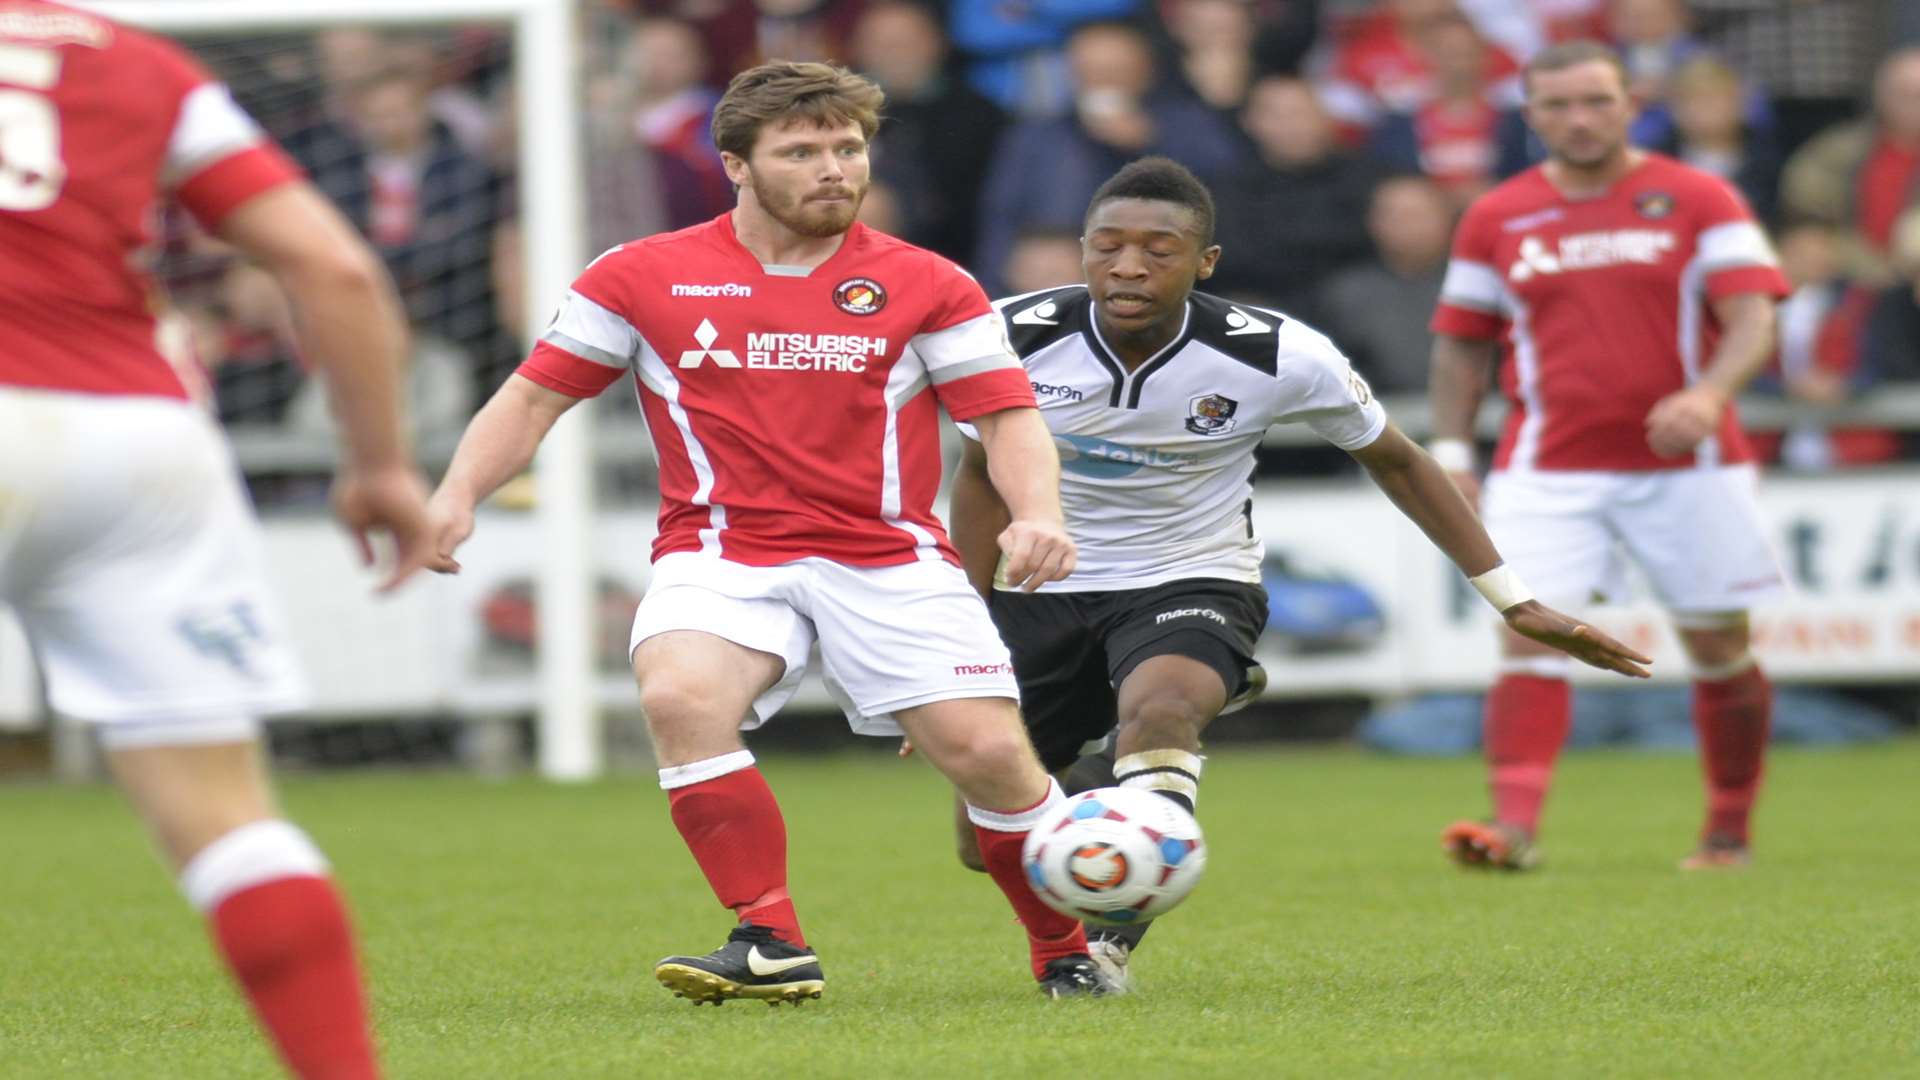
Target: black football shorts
[{"x": 1072, "y": 649}]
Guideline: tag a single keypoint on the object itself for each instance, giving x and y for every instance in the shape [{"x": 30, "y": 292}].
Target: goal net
[{"x": 448, "y": 133}]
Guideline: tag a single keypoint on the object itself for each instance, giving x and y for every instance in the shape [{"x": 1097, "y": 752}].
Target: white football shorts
[
  {"x": 1696, "y": 534},
  {"x": 890, "y": 637},
  {"x": 131, "y": 556}
]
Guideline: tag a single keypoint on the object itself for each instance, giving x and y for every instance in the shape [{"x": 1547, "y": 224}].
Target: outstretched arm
[
  {"x": 1025, "y": 470},
  {"x": 1422, "y": 490},
  {"x": 497, "y": 446}
]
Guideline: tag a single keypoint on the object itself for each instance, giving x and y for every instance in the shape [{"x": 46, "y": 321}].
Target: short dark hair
[
  {"x": 1570, "y": 54},
  {"x": 1160, "y": 179},
  {"x": 786, "y": 90}
]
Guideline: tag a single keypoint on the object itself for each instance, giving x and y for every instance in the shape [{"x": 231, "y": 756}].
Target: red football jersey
[
  {"x": 97, "y": 124},
  {"x": 793, "y": 412},
  {"x": 1603, "y": 306}
]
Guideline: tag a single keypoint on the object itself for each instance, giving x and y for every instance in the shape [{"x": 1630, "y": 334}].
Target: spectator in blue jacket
[{"x": 1016, "y": 47}]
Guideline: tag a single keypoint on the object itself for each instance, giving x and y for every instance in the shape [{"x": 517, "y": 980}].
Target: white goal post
[{"x": 553, "y": 224}]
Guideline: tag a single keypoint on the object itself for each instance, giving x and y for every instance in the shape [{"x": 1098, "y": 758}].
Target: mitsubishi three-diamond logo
[{"x": 706, "y": 335}]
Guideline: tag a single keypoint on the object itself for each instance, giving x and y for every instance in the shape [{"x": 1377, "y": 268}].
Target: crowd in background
[{"x": 1340, "y": 137}]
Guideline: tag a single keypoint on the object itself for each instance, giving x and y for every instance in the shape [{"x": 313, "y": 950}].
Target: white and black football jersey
[{"x": 1157, "y": 464}]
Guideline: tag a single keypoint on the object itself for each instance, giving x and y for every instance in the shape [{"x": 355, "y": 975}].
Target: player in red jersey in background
[
  {"x": 126, "y": 544},
  {"x": 790, "y": 363},
  {"x": 1635, "y": 296}
]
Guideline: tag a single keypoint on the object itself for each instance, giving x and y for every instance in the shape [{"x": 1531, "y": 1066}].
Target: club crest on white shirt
[{"x": 1211, "y": 414}]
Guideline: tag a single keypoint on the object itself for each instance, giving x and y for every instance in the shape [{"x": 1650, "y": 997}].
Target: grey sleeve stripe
[
  {"x": 585, "y": 351},
  {"x": 997, "y": 362},
  {"x": 911, "y": 391},
  {"x": 1472, "y": 303},
  {"x": 1738, "y": 261}
]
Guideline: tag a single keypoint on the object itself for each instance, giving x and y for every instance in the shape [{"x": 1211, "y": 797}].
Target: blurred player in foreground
[
  {"x": 1635, "y": 296},
  {"x": 790, "y": 363},
  {"x": 1159, "y": 396},
  {"x": 127, "y": 547}
]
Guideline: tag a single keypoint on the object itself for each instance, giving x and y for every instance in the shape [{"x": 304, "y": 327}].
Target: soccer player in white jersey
[
  {"x": 127, "y": 547},
  {"x": 1157, "y": 396},
  {"x": 790, "y": 363},
  {"x": 1634, "y": 297}
]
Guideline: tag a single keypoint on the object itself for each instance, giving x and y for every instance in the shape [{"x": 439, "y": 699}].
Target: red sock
[
  {"x": 280, "y": 925},
  {"x": 1050, "y": 935},
  {"x": 1733, "y": 716},
  {"x": 733, "y": 826},
  {"x": 1527, "y": 720},
  {"x": 288, "y": 944}
]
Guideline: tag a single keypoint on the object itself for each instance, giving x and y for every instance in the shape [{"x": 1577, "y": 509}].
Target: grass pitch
[{"x": 510, "y": 927}]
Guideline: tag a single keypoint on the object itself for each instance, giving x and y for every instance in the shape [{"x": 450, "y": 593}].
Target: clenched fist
[{"x": 1036, "y": 552}]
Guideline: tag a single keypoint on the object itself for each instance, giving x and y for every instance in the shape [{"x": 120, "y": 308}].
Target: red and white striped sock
[
  {"x": 1002, "y": 834},
  {"x": 1529, "y": 713},
  {"x": 728, "y": 816},
  {"x": 283, "y": 930},
  {"x": 1733, "y": 714}
]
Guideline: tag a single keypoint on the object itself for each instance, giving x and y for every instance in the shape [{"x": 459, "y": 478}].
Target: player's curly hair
[
  {"x": 1161, "y": 179},
  {"x": 783, "y": 90}
]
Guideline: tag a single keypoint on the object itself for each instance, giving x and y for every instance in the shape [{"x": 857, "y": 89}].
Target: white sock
[
  {"x": 1018, "y": 820},
  {"x": 695, "y": 772},
  {"x": 253, "y": 854},
  {"x": 1170, "y": 772}
]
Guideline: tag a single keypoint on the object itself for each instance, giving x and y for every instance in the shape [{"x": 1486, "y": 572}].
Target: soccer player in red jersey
[
  {"x": 127, "y": 547},
  {"x": 790, "y": 363},
  {"x": 1634, "y": 297}
]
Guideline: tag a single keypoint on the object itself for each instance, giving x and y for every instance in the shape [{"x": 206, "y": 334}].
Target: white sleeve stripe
[
  {"x": 1472, "y": 285},
  {"x": 1733, "y": 244},
  {"x": 996, "y": 362},
  {"x": 210, "y": 127},
  {"x": 583, "y": 350},
  {"x": 965, "y": 343},
  {"x": 591, "y": 332}
]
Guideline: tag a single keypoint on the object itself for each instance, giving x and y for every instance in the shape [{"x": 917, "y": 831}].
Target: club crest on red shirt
[
  {"x": 859, "y": 296},
  {"x": 1653, "y": 205}
]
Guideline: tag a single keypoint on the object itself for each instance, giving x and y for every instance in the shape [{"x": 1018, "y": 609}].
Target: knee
[
  {"x": 1165, "y": 719},
  {"x": 993, "y": 752},
  {"x": 674, "y": 704},
  {"x": 1717, "y": 648}
]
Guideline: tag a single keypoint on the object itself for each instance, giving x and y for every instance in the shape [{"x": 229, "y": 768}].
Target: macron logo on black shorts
[{"x": 1188, "y": 613}]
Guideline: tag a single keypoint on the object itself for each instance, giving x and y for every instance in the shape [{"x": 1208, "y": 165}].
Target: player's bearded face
[
  {"x": 810, "y": 179},
  {"x": 1581, "y": 112}
]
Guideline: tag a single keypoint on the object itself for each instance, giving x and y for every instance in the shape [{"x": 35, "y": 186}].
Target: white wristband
[
  {"x": 1502, "y": 587},
  {"x": 1454, "y": 455}
]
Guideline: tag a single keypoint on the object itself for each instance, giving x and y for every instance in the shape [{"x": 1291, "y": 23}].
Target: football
[{"x": 1115, "y": 856}]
